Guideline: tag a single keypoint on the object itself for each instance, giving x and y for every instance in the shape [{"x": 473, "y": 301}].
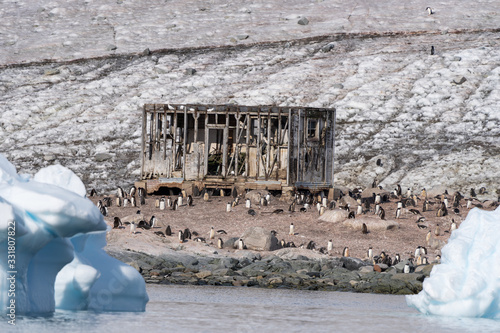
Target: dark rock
[
  {"x": 352, "y": 264},
  {"x": 303, "y": 21},
  {"x": 459, "y": 80},
  {"x": 190, "y": 71},
  {"x": 101, "y": 157}
]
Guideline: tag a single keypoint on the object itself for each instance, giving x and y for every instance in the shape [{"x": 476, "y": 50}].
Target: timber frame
[{"x": 226, "y": 146}]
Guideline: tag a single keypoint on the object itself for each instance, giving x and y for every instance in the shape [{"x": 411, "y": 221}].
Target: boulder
[
  {"x": 334, "y": 216},
  {"x": 352, "y": 264},
  {"x": 259, "y": 239},
  {"x": 255, "y": 196},
  {"x": 136, "y": 218}
]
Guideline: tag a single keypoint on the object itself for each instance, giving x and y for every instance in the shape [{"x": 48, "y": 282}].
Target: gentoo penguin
[
  {"x": 322, "y": 210},
  {"x": 212, "y": 233},
  {"x": 142, "y": 199},
  {"x": 125, "y": 202},
  {"x": 222, "y": 232},
  {"x": 397, "y": 259},
  {"x": 179, "y": 200},
  {"x": 429, "y": 10},
  {"x": 200, "y": 240},
  {"x": 329, "y": 247},
  {"x": 311, "y": 245},
  {"x": 417, "y": 251},
  {"x": 117, "y": 222},
  {"x": 453, "y": 226},
  {"x": 377, "y": 209},
  {"x": 118, "y": 202},
  {"x": 433, "y": 50},
  {"x": 263, "y": 201},
  {"x": 189, "y": 200},
  {"x": 157, "y": 203},
  {"x": 351, "y": 215},
  {"x": 398, "y": 213},
  {"x": 133, "y": 227},
  {"x": 415, "y": 211},
  {"x": 168, "y": 231},
  {"x": 428, "y": 237},
  {"x": 360, "y": 210},
  {"x": 409, "y": 192},
  {"x": 378, "y": 199},
  {"x": 445, "y": 202},
  {"x": 93, "y": 192},
  {"x": 283, "y": 243},
  {"x": 324, "y": 202},
  {"x": 248, "y": 203},
  {"x": 399, "y": 204},
  {"x": 382, "y": 213},
  {"x": 152, "y": 222},
  {"x": 120, "y": 192},
  {"x": 162, "y": 204},
  {"x": 472, "y": 193},
  {"x": 228, "y": 207},
  {"x": 421, "y": 219},
  {"x": 181, "y": 236},
  {"x": 425, "y": 261},
  {"x": 437, "y": 230},
  {"x": 364, "y": 229},
  {"x": 291, "y": 208},
  {"x": 423, "y": 194},
  {"x": 241, "y": 246},
  {"x": 132, "y": 191},
  {"x": 206, "y": 196},
  {"x": 169, "y": 202},
  {"x": 345, "y": 252},
  {"x": 252, "y": 212},
  {"x": 220, "y": 243},
  {"x": 398, "y": 190},
  {"x": 221, "y": 192},
  {"x": 292, "y": 229},
  {"x": 369, "y": 253},
  {"x": 133, "y": 202},
  {"x": 425, "y": 206},
  {"x": 176, "y": 205},
  {"x": 187, "y": 233},
  {"x": 406, "y": 269},
  {"x": 469, "y": 203}
]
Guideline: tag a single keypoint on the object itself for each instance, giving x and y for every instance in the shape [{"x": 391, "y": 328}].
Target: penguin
[
  {"x": 453, "y": 226},
  {"x": 220, "y": 243},
  {"x": 252, "y": 212},
  {"x": 429, "y": 10},
  {"x": 423, "y": 194},
  {"x": 324, "y": 202},
  {"x": 263, "y": 201},
  {"x": 322, "y": 210},
  {"x": 162, "y": 204},
  {"x": 428, "y": 237},
  {"x": 221, "y": 192},
  {"x": 398, "y": 213},
  {"x": 415, "y": 211},
  {"x": 228, "y": 207},
  {"x": 118, "y": 202},
  {"x": 144, "y": 225},
  {"x": 189, "y": 200},
  {"x": 125, "y": 202},
  {"x": 248, "y": 203},
  {"x": 133, "y": 202},
  {"x": 159, "y": 233},
  {"x": 221, "y": 232},
  {"x": 141, "y": 192},
  {"x": 421, "y": 219},
  {"x": 241, "y": 245},
  {"x": 425, "y": 206},
  {"x": 200, "y": 240},
  {"x": 291, "y": 208},
  {"x": 437, "y": 230},
  {"x": 292, "y": 229},
  {"x": 369, "y": 253},
  {"x": 377, "y": 209},
  {"x": 382, "y": 214},
  {"x": 206, "y": 197},
  {"x": 152, "y": 222},
  {"x": 142, "y": 199},
  {"x": 360, "y": 210},
  {"x": 345, "y": 252},
  {"x": 364, "y": 229},
  {"x": 133, "y": 227},
  {"x": 132, "y": 191},
  {"x": 406, "y": 268},
  {"x": 212, "y": 233},
  {"x": 399, "y": 204},
  {"x": 303, "y": 209},
  {"x": 329, "y": 247},
  {"x": 378, "y": 199},
  {"x": 107, "y": 201},
  {"x": 399, "y": 191},
  {"x": 311, "y": 245},
  {"x": 425, "y": 261},
  {"x": 175, "y": 205},
  {"x": 283, "y": 243},
  {"x": 417, "y": 251},
  {"x": 168, "y": 231},
  {"x": 397, "y": 259},
  {"x": 117, "y": 222},
  {"x": 423, "y": 250},
  {"x": 157, "y": 203},
  {"x": 187, "y": 233},
  {"x": 120, "y": 192},
  {"x": 93, "y": 193},
  {"x": 332, "y": 205},
  {"x": 181, "y": 236},
  {"x": 433, "y": 50},
  {"x": 179, "y": 200},
  {"x": 469, "y": 203},
  {"x": 169, "y": 202},
  {"x": 472, "y": 193},
  {"x": 351, "y": 215}
]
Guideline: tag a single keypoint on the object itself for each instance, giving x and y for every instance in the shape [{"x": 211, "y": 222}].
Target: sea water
[{"x": 255, "y": 310}]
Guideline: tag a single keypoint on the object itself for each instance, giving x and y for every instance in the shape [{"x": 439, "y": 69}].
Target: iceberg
[
  {"x": 467, "y": 282},
  {"x": 52, "y": 239}
]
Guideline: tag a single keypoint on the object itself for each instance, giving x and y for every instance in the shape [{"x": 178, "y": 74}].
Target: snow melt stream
[{"x": 55, "y": 238}]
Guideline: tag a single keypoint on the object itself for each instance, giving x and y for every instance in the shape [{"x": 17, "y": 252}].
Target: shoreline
[{"x": 285, "y": 268}]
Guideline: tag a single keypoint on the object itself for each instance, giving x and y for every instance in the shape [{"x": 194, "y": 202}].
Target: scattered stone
[
  {"x": 303, "y": 21},
  {"x": 328, "y": 47},
  {"x": 190, "y": 71},
  {"x": 52, "y": 71},
  {"x": 459, "y": 80},
  {"x": 49, "y": 157},
  {"x": 111, "y": 47},
  {"x": 101, "y": 157},
  {"x": 242, "y": 37},
  {"x": 366, "y": 269},
  {"x": 338, "y": 86},
  {"x": 457, "y": 58},
  {"x": 334, "y": 216}
]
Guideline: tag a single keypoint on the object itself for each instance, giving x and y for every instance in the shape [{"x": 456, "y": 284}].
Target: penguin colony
[{"x": 407, "y": 207}]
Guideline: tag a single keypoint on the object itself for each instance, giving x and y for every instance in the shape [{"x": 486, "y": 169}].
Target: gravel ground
[{"x": 206, "y": 214}]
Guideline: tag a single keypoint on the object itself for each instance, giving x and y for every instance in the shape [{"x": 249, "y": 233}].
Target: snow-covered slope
[{"x": 431, "y": 119}]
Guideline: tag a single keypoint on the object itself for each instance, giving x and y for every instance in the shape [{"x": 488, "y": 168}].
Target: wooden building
[{"x": 247, "y": 147}]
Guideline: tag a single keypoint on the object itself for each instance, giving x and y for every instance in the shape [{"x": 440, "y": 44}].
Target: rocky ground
[{"x": 166, "y": 260}]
